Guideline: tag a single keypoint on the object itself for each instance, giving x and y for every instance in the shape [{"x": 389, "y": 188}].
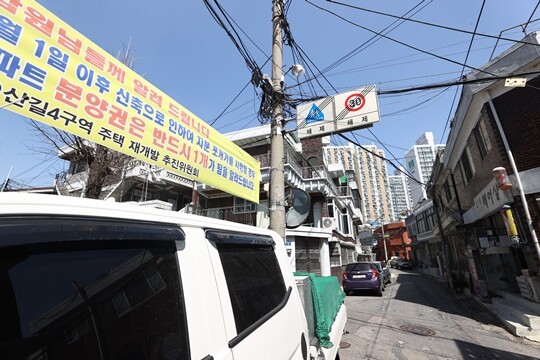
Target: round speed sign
[{"x": 355, "y": 102}]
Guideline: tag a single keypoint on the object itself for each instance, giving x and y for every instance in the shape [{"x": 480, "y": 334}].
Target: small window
[
  {"x": 482, "y": 138},
  {"x": 254, "y": 280},
  {"x": 335, "y": 253},
  {"x": 466, "y": 168},
  {"x": 243, "y": 206},
  {"x": 447, "y": 191},
  {"x": 345, "y": 223}
]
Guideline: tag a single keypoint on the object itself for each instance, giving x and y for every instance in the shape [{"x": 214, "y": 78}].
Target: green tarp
[{"x": 327, "y": 299}]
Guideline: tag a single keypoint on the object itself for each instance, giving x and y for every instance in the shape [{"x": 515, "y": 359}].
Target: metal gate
[{"x": 308, "y": 255}]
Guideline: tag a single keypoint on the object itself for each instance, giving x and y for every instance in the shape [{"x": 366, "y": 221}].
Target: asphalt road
[{"x": 417, "y": 318}]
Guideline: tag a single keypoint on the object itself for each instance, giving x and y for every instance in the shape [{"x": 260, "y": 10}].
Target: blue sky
[{"x": 182, "y": 51}]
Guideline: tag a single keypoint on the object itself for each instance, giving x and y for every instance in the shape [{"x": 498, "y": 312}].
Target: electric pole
[
  {"x": 384, "y": 241},
  {"x": 277, "y": 156}
]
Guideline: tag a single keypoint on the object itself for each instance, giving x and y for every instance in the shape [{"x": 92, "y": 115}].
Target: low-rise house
[
  {"x": 322, "y": 242},
  {"x": 392, "y": 240},
  {"x": 491, "y": 230}
]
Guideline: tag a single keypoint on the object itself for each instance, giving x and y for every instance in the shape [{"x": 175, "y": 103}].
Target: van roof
[{"x": 12, "y": 203}]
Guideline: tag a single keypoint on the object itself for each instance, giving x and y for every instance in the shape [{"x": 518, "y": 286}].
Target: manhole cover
[
  {"x": 419, "y": 330},
  {"x": 344, "y": 345}
]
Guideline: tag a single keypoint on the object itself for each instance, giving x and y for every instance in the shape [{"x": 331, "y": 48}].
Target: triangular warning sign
[{"x": 315, "y": 114}]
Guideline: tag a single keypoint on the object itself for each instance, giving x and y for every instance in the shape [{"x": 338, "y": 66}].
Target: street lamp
[{"x": 297, "y": 70}]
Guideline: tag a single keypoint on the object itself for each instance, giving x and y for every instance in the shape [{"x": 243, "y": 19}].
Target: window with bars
[
  {"x": 243, "y": 206},
  {"x": 335, "y": 253}
]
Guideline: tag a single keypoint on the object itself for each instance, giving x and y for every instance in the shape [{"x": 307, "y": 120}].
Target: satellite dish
[{"x": 299, "y": 205}]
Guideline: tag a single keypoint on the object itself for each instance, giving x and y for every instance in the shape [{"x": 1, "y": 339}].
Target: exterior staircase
[{"x": 520, "y": 316}]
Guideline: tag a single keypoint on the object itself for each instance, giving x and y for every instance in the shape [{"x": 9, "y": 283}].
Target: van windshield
[{"x": 92, "y": 300}]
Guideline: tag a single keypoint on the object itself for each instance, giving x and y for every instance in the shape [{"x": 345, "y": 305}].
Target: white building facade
[
  {"x": 419, "y": 161},
  {"x": 401, "y": 199}
]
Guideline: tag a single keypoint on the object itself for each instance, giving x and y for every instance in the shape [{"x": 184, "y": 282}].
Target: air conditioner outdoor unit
[{"x": 329, "y": 223}]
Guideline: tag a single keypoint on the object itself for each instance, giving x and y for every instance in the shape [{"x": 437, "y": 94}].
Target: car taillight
[
  {"x": 375, "y": 273},
  {"x": 345, "y": 276}
]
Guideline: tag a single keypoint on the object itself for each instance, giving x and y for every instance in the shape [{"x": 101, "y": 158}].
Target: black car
[{"x": 403, "y": 264}]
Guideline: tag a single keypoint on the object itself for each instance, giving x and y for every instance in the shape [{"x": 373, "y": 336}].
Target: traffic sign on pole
[
  {"x": 334, "y": 114},
  {"x": 316, "y": 118},
  {"x": 356, "y": 109}
]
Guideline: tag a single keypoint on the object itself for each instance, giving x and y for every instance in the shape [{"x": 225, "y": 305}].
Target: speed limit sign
[
  {"x": 355, "y": 102},
  {"x": 356, "y": 109}
]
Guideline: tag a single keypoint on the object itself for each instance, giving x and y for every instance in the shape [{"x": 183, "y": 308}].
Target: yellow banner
[{"x": 51, "y": 73}]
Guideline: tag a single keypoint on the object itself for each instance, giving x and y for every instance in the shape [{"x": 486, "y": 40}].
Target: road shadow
[
  {"x": 479, "y": 352},
  {"x": 421, "y": 289}
]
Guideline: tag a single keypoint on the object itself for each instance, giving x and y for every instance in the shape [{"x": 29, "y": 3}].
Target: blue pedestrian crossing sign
[
  {"x": 316, "y": 117},
  {"x": 315, "y": 114}
]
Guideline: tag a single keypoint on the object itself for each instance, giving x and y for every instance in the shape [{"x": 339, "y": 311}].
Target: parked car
[
  {"x": 383, "y": 269},
  {"x": 362, "y": 275},
  {"x": 400, "y": 263},
  {"x": 91, "y": 279},
  {"x": 393, "y": 261},
  {"x": 403, "y": 264}
]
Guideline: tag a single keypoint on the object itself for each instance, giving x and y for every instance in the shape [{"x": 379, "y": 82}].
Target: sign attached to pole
[
  {"x": 51, "y": 73},
  {"x": 316, "y": 118},
  {"x": 334, "y": 114},
  {"x": 356, "y": 109}
]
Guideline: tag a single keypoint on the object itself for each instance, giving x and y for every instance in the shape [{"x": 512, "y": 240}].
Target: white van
[{"x": 88, "y": 279}]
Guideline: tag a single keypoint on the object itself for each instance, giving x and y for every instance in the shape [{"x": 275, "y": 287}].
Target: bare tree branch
[{"x": 104, "y": 166}]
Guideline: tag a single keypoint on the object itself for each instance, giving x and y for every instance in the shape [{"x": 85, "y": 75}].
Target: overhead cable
[
  {"x": 431, "y": 24},
  {"x": 381, "y": 157},
  {"x": 396, "y": 41},
  {"x": 463, "y": 69}
]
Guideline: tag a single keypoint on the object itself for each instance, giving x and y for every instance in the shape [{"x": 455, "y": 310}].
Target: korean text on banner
[{"x": 51, "y": 73}]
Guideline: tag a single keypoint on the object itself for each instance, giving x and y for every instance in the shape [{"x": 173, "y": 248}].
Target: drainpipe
[{"x": 516, "y": 173}]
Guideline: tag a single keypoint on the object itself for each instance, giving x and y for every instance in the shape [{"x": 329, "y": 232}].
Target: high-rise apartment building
[
  {"x": 401, "y": 199},
  {"x": 370, "y": 168},
  {"x": 419, "y": 164}
]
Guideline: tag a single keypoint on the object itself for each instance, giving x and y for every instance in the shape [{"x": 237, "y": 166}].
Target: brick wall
[
  {"x": 496, "y": 156},
  {"x": 312, "y": 148},
  {"x": 519, "y": 112}
]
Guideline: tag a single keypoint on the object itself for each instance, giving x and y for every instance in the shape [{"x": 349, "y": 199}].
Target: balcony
[
  {"x": 226, "y": 213},
  {"x": 264, "y": 160},
  {"x": 344, "y": 191},
  {"x": 313, "y": 178}
]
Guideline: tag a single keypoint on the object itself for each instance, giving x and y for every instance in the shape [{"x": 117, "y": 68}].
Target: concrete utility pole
[
  {"x": 277, "y": 176},
  {"x": 384, "y": 242}
]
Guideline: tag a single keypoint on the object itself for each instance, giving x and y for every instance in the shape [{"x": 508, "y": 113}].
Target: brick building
[
  {"x": 494, "y": 126},
  {"x": 397, "y": 241}
]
